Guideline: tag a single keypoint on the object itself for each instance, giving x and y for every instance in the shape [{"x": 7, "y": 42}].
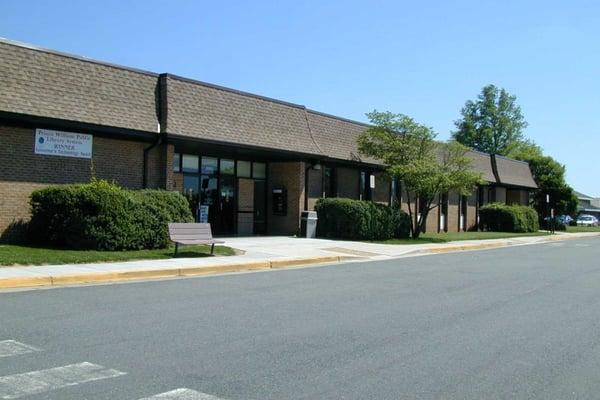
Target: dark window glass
[
  {"x": 329, "y": 182},
  {"x": 444, "y": 204},
  {"x": 227, "y": 167},
  {"x": 176, "y": 162},
  {"x": 190, "y": 184},
  {"x": 259, "y": 170},
  {"x": 209, "y": 165},
  {"x": 190, "y": 163},
  {"x": 363, "y": 185},
  {"x": 243, "y": 169}
]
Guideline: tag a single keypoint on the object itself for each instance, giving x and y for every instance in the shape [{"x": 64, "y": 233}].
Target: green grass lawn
[
  {"x": 583, "y": 228},
  {"x": 450, "y": 237},
  {"x": 26, "y": 255}
]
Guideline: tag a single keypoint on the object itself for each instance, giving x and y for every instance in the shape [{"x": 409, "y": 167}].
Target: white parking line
[
  {"x": 19, "y": 385},
  {"x": 182, "y": 394},
  {"x": 9, "y": 348}
]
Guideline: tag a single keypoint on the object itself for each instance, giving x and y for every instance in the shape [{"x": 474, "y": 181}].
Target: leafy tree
[
  {"x": 549, "y": 175},
  {"x": 525, "y": 150},
  {"x": 492, "y": 124},
  {"x": 411, "y": 155}
]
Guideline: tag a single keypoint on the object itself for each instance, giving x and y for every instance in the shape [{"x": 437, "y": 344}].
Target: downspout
[
  {"x": 161, "y": 115},
  {"x": 156, "y": 142},
  {"x": 312, "y": 164}
]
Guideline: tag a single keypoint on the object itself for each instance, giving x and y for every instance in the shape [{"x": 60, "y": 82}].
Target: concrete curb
[
  {"x": 117, "y": 276},
  {"x": 497, "y": 245}
]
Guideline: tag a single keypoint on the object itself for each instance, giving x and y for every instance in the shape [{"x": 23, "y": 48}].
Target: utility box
[{"x": 308, "y": 224}]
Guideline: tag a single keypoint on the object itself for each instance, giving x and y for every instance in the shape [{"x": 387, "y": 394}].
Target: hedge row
[
  {"x": 360, "y": 220},
  {"x": 506, "y": 218},
  {"x": 103, "y": 216}
]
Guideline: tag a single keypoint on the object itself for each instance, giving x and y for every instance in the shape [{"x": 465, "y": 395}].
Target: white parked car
[{"x": 587, "y": 220}]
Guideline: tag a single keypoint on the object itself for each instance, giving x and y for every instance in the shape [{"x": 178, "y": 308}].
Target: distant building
[{"x": 588, "y": 205}]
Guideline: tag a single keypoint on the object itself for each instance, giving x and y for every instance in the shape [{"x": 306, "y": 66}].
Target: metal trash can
[{"x": 308, "y": 224}]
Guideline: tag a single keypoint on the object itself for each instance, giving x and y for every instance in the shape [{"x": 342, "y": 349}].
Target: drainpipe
[
  {"x": 156, "y": 142},
  {"x": 161, "y": 127}
]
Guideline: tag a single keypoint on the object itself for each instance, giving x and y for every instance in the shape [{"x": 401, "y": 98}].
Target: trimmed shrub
[
  {"x": 360, "y": 220},
  {"x": 506, "y": 218},
  {"x": 103, "y": 216}
]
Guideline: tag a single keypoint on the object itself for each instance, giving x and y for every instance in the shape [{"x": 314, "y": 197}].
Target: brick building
[{"x": 252, "y": 163}]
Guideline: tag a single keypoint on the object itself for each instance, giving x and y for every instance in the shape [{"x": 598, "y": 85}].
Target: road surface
[{"x": 518, "y": 323}]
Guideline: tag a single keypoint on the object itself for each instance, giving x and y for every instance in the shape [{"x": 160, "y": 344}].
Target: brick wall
[
  {"x": 433, "y": 219},
  {"x": 160, "y": 167},
  {"x": 471, "y": 218},
  {"x": 291, "y": 176},
  {"x": 22, "y": 171},
  {"x": 177, "y": 184},
  {"x": 453, "y": 212}
]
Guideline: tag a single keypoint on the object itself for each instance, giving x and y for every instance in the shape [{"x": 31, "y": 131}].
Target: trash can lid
[{"x": 309, "y": 214}]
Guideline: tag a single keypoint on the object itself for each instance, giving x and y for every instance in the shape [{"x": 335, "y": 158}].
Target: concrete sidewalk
[{"x": 260, "y": 253}]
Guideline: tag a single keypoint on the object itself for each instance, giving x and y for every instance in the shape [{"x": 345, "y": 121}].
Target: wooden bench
[{"x": 182, "y": 233}]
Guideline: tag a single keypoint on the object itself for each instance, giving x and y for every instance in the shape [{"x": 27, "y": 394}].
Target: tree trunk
[{"x": 410, "y": 215}]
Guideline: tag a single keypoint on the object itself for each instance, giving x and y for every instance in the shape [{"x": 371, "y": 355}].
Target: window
[
  {"x": 329, "y": 182},
  {"x": 190, "y": 185},
  {"x": 176, "y": 162},
  {"x": 395, "y": 192},
  {"x": 209, "y": 165},
  {"x": 190, "y": 163},
  {"x": 365, "y": 186},
  {"x": 227, "y": 167},
  {"x": 243, "y": 169},
  {"x": 259, "y": 170},
  {"x": 362, "y": 185}
]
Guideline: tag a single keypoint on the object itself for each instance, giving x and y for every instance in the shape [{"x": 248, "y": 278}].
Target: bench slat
[{"x": 192, "y": 233}]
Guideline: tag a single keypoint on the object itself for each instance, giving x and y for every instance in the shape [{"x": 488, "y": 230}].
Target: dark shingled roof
[
  {"x": 483, "y": 163},
  {"x": 200, "y": 110},
  {"x": 46, "y": 83},
  {"x": 514, "y": 172},
  {"x": 50, "y": 84},
  {"x": 336, "y": 137}
]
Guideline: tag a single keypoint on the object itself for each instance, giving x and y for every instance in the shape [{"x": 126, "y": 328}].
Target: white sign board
[
  {"x": 66, "y": 144},
  {"x": 203, "y": 214},
  {"x": 372, "y": 181}
]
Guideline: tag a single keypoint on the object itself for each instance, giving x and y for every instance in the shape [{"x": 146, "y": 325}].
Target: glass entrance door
[
  {"x": 226, "y": 225},
  {"x": 212, "y": 186}
]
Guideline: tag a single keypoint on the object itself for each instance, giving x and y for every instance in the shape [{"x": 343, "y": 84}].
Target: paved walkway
[{"x": 258, "y": 253}]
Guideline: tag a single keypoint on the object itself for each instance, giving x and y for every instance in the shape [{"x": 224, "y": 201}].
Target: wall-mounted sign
[
  {"x": 66, "y": 144},
  {"x": 203, "y": 214}
]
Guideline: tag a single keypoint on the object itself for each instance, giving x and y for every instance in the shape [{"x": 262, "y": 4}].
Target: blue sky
[{"x": 421, "y": 58}]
